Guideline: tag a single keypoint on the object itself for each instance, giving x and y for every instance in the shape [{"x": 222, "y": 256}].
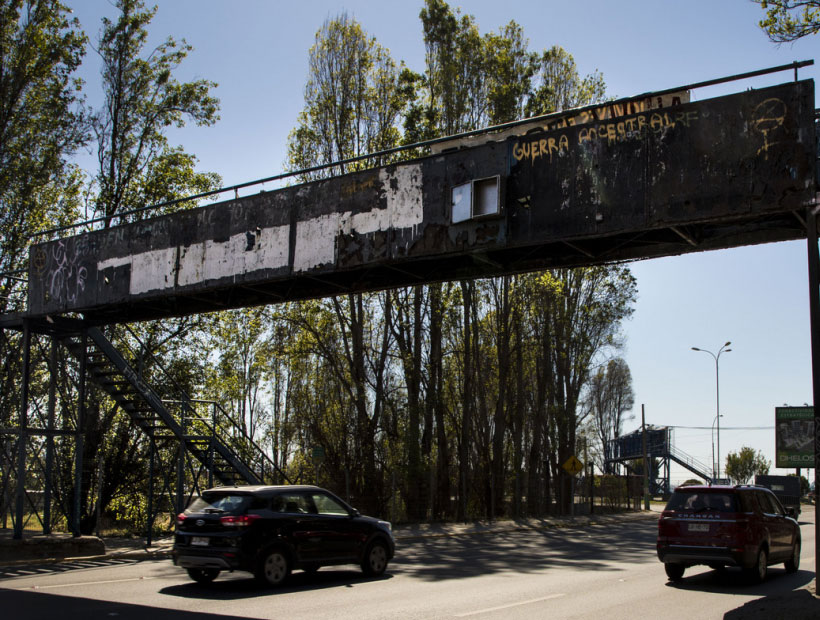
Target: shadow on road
[
  {"x": 30, "y": 570},
  {"x": 593, "y": 547},
  {"x": 795, "y": 605},
  {"x": 782, "y": 595},
  {"x": 732, "y": 580},
  {"x": 241, "y": 587},
  {"x": 43, "y": 606}
]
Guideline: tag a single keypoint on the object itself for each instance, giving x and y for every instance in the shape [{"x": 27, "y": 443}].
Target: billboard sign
[{"x": 794, "y": 436}]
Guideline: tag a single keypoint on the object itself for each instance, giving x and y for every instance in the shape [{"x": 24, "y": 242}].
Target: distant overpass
[{"x": 659, "y": 446}]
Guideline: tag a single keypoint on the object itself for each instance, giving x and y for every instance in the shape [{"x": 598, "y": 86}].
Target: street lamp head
[
  {"x": 695, "y": 349},
  {"x": 727, "y": 344}
]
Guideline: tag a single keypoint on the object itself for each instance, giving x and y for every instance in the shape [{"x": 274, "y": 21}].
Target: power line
[{"x": 725, "y": 428}]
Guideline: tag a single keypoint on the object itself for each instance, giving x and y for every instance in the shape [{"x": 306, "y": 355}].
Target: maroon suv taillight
[
  {"x": 239, "y": 521},
  {"x": 180, "y": 519}
]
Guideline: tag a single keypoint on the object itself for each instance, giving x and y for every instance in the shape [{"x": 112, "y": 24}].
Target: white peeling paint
[
  {"x": 315, "y": 241},
  {"x": 114, "y": 262},
  {"x": 212, "y": 260},
  {"x": 153, "y": 270},
  {"x": 405, "y": 203}
]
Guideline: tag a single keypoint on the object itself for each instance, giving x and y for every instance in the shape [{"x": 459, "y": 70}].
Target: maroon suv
[{"x": 722, "y": 526}]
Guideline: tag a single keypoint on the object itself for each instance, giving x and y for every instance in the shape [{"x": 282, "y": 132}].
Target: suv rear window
[
  {"x": 222, "y": 503},
  {"x": 700, "y": 500}
]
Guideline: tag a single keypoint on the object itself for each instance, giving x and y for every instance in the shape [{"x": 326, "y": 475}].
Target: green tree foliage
[
  {"x": 743, "y": 465},
  {"x": 470, "y": 81},
  {"x": 559, "y": 85},
  {"x": 804, "y": 485},
  {"x": 40, "y": 125},
  {"x": 243, "y": 350},
  {"x": 789, "y": 20},
  {"x": 353, "y": 98},
  {"x": 137, "y": 166}
]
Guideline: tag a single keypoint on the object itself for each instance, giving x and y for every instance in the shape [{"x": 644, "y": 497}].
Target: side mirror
[{"x": 791, "y": 512}]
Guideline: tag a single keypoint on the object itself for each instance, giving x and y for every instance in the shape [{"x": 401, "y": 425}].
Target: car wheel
[
  {"x": 757, "y": 573},
  {"x": 674, "y": 571},
  {"x": 203, "y": 575},
  {"x": 375, "y": 559},
  {"x": 274, "y": 567},
  {"x": 793, "y": 563}
]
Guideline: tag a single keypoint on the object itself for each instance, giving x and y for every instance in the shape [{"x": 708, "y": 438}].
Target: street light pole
[
  {"x": 714, "y": 475},
  {"x": 722, "y": 349}
]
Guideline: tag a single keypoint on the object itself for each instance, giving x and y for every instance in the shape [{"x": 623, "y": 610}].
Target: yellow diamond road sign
[{"x": 573, "y": 465}]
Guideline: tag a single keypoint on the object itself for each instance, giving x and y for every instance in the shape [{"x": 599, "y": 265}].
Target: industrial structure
[{"x": 655, "y": 446}]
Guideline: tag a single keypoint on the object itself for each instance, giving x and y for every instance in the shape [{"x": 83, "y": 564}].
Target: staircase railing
[
  {"x": 208, "y": 417},
  {"x": 690, "y": 463},
  {"x": 220, "y": 425},
  {"x": 222, "y": 441}
]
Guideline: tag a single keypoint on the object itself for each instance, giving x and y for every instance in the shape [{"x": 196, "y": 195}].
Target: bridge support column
[
  {"x": 814, "y": 319},
  {"x": 150, "y": 510},
  {"x": 22, "y": 439},
  {"x": 79, "y": 444},
  {"x": 52, "y": 407}
]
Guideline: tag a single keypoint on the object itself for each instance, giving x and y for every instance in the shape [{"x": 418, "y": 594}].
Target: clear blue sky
[{"x": 757, "y": 297}]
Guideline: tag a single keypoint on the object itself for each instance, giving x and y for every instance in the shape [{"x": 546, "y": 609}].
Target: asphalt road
[{"x": 600, "y": 571}]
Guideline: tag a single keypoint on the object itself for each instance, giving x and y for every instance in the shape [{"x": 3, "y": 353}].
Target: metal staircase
[
  {"x": 659, "y": 444},
  {"x": 215, "y": 441},
  {"x": 690, "y": 463}
]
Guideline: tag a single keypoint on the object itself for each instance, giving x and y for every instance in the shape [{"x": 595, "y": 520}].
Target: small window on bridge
[{"x": 478, "y": 198}]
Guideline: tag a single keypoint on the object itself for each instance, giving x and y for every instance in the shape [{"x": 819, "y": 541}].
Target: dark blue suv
[{"x": 271, "y": 530}]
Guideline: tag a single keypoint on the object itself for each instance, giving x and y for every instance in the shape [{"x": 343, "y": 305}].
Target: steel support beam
[
  {"x": 52, "y": 406},
  {"x": 79, "y": 444},
  {"x": 22, "y": 438},
  {"x": 814, "y": 319},
  {"x": 150, "y": 515}
]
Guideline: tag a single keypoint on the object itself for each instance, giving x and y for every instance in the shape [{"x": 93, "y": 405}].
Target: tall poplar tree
[
  {"x": 41, "y": 126},
  {"x": 353, "y": 98},
  {"x": 137, "y": 165}
]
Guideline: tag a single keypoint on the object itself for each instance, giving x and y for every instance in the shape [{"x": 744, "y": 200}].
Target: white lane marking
[
  {"x": 500, "y": 607},
  {"x": 84, "y": 583}
]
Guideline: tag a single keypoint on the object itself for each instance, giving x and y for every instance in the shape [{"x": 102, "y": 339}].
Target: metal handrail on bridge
[{"x": 426, "y": 144}]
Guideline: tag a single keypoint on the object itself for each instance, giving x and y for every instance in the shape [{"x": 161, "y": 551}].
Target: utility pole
[{"x": 645, "y": 462}]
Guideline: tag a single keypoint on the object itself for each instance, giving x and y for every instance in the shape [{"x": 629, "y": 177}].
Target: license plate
[
  {"x": 199, "y": 540},
  {"x": 698, "y": 527}
]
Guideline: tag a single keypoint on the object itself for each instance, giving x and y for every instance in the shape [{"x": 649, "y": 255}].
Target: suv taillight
[
  {"x": 238, "y": 521},
  {"x": 180, "y": 519}
]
